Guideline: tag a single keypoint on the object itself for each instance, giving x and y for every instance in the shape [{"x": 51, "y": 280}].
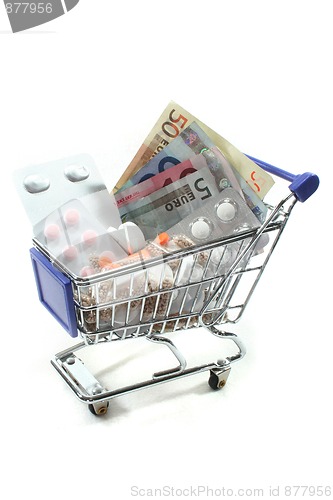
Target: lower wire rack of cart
[{"x": 97, "y": 393}]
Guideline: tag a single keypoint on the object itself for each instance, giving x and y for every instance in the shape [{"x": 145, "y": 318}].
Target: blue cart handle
[{"x": 302, "y": 185}]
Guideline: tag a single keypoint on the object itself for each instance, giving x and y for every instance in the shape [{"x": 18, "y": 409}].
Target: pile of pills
[{"x": 147, "y": 293}]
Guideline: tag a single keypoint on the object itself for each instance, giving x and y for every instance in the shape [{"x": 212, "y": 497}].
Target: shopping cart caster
[
  {"x": 99, "y": 409},
  {"x": 218, "y": 377}
]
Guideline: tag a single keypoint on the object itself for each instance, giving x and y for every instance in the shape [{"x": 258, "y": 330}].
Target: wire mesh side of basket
[{"x": 211, "y": 284}]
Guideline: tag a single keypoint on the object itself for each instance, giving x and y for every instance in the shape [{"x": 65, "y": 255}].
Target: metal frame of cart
[{"x": 88, "y": 307}]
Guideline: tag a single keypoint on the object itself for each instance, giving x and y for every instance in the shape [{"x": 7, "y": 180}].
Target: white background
[{"x": 95, "y": 81}]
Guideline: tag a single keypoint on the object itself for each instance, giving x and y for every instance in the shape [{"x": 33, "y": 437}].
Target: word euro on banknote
[
  {"x": 212, "y": 158},
  {"x": 170, "y": 124},
  {"x": 224, "y": 174},
  {"x": 166, "y": 207}
]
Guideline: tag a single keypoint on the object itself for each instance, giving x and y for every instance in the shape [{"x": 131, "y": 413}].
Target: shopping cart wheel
[
  {"x": 218, "y": 378},
  {"x": 99, "y": 409}
]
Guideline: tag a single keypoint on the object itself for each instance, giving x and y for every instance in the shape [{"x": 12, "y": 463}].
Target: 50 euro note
[
  {"x": 191, "y": 141},
  {"x": 166, "y": 207},
  {"x": 173, "y": 120}
]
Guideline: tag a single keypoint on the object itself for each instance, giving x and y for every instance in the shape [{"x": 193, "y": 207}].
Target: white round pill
[
  {"x": 36, "y": 183},
  {"x": 76, "y": 173},
  {"x": 201, "y": 229},
  {"x": 226, "y": 211}
]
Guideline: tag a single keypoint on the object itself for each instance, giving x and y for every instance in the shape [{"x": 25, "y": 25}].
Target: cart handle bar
[{"x": 302, "y": 185}]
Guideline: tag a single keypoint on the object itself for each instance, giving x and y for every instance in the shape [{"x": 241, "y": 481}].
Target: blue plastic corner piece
[
  {"x": 54, "y": 291},
  {"x": 304, "y": 185}
]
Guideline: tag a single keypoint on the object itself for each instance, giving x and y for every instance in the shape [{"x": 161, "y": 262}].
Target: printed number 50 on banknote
[{"x": 170, "y": 124}]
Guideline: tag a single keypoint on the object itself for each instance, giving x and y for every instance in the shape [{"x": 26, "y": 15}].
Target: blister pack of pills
[
  {"x": 76, "y": 239},
  {"x": 222, "y": 216},
  {"x": 45, "y": 187}
]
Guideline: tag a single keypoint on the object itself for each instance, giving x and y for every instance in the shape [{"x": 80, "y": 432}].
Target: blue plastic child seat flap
[{"x": 54, "y": 291}]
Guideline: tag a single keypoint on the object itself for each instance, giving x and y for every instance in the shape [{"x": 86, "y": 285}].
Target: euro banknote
[
  {"x": 223, "y": 173},
  {"x": 192, "y": 140},
  {"x": 160, "y": 136},
  {"x": 158, "y": 181},
  {"x": 166, "y": 207},
  {"x": 173, "y": 120},
  {"x": 212, "y": 158}
]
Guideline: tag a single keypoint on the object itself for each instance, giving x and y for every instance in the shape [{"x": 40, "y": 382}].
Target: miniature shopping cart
[{"x": 100, "y": 309}]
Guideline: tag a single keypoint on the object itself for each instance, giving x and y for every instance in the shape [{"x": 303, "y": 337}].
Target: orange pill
[
  {"x": 162, "y": 239},
  {"x": 105, "y": 260}
]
